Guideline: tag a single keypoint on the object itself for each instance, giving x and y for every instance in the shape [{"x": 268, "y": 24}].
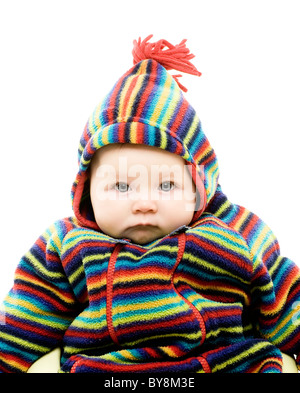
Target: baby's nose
[{"x": 144, "y": 205}]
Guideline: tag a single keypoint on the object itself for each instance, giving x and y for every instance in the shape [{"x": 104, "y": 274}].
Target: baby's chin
[{"x": 144, "y": 235}]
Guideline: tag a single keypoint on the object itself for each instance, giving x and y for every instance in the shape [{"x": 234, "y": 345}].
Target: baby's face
[{"x": 139, "y": 192}]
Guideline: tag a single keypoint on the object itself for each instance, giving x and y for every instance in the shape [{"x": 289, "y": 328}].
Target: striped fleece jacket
[{"x": 213, "y": 296}]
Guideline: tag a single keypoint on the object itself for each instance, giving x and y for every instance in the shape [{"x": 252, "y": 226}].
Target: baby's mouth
[{"x": 143, "y": 226}]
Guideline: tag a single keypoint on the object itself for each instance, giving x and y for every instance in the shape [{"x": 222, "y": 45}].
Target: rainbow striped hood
[{"x": 146, "y": 106}]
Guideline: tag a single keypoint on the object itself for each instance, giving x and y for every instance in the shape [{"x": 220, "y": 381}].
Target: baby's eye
[
  {"x": 122, "y": 187},
  {"x": 167, "y": 186}
]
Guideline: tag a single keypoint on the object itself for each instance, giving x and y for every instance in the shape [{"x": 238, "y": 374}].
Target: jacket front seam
[
  {"x": 181, "y": 248},
  {"x": 109, "y": 292}
]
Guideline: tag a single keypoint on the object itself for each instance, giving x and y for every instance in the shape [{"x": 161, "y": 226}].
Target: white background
[{"x": 60, "y": 57}]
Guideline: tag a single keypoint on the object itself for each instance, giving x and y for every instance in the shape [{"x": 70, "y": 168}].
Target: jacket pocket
[{"x": 222, "y": 321}]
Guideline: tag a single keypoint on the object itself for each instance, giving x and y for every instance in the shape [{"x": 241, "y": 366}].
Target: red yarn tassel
[{"x": 169, "y": 56}]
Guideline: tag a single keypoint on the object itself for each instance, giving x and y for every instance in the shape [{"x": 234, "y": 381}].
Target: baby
[{"x": 157, "y": 271}]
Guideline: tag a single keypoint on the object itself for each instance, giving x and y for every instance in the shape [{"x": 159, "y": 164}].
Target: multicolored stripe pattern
[
  {"x": 146, "y": 106},
  {"x": 276, "y": 279},
  {"x": 198, "y": 300}
]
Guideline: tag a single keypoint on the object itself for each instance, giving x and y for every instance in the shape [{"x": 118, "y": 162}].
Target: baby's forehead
[
  {"x": 136, "y": 152},
  {"x": 137, "y": 161}
]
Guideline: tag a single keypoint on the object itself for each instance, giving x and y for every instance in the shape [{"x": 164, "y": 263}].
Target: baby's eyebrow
[
  {"x": 131, "y": 173},
  {"x": 177, "y": 172}
]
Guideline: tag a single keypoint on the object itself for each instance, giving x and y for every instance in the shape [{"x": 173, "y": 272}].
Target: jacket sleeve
[
  {"x": 276, "y": 302},
  {"x": 40, "y": 306},
  {"x": 275, "y": 287}
]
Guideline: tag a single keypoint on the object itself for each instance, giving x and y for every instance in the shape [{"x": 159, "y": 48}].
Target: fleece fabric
[{"x": 213, "y": 296}]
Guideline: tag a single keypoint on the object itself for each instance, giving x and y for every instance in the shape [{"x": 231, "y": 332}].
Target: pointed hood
[{"x": 147, "y": 106}]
